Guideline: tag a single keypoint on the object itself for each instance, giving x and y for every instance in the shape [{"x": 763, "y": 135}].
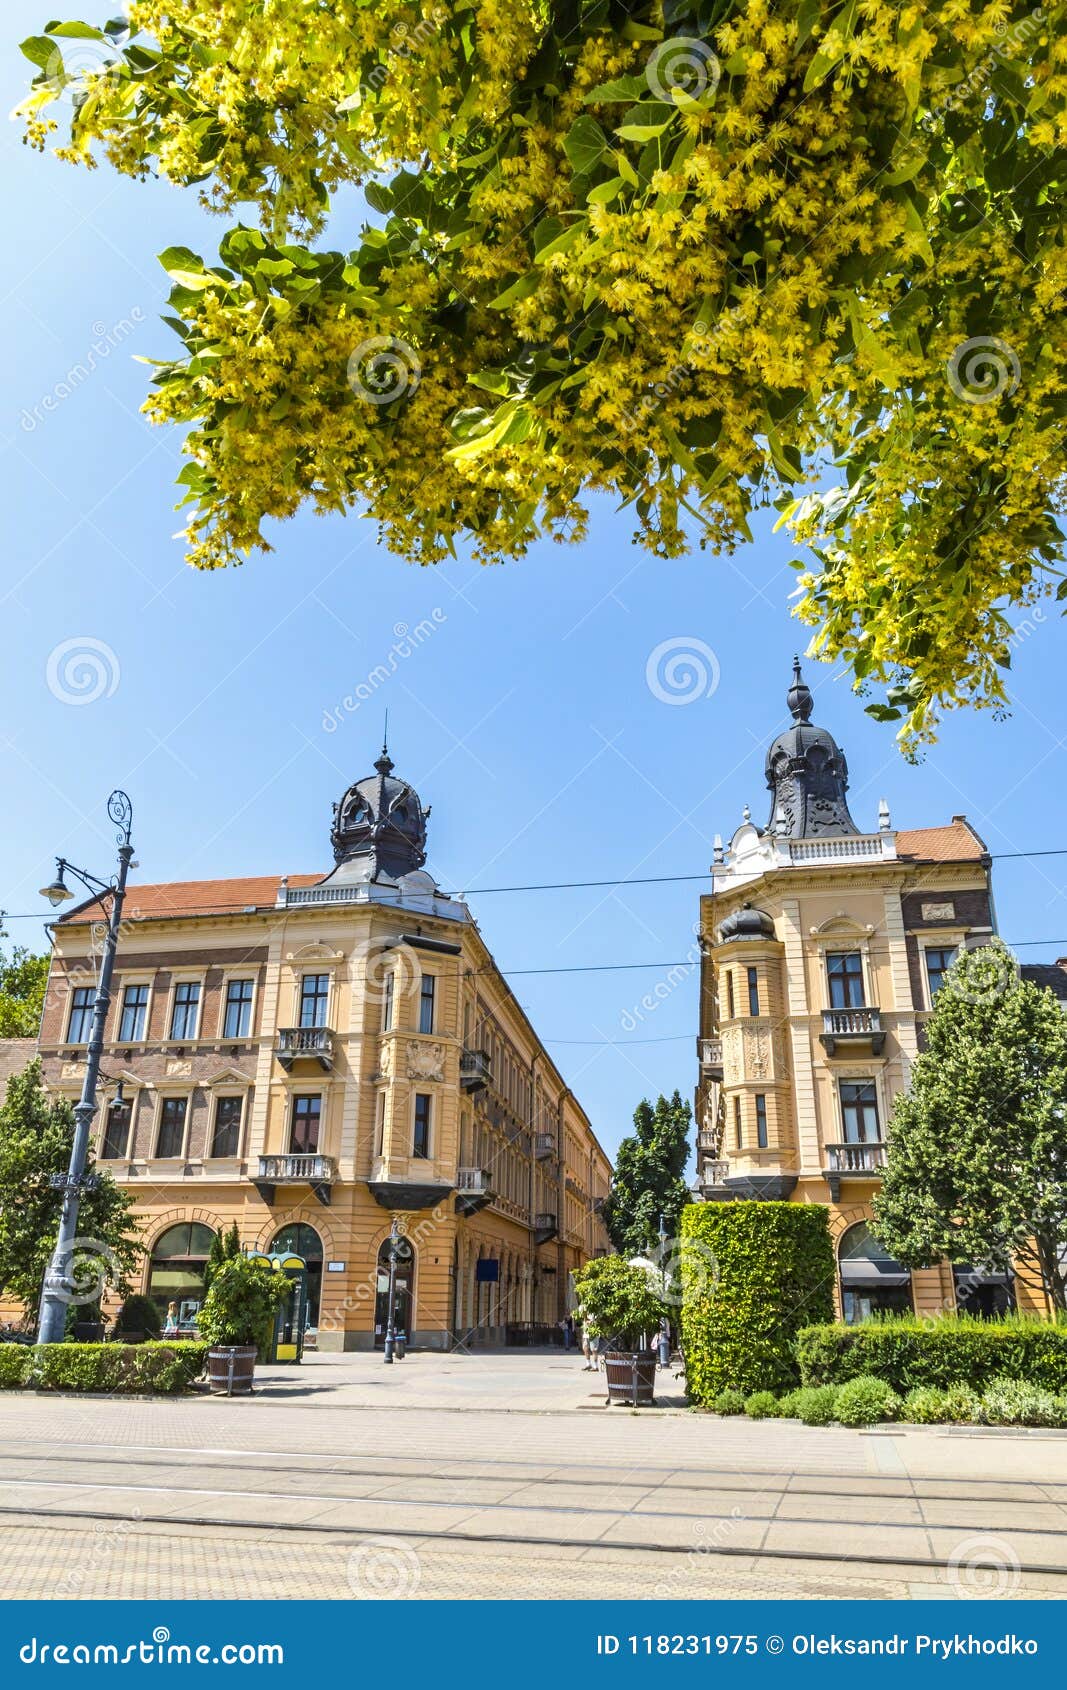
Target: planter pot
[
  {"x": 631, "y": 1376},
  {"x": 230, "y": 1369}
]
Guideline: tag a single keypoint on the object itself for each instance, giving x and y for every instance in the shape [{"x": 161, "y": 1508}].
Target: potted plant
[
  {"x": 236, "y": 1314},
  {"x": 622, "y": 1311}
]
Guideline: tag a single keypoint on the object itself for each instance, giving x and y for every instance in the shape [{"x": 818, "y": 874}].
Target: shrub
[
  {"x": 762, "y": 1405},
  {"x": 815, "y": 1404},
  {"x": 789, "y": 1405},
  {"x": 618, "y": 1301},
  {"x": 753, "y": 1274},
  {"x": 153, "y": 1368},
  {"x": 1014, "y": 1402},
  {"x": 729, "y": 1402},
  {"x": 865, "y": 1400},
  {"x": 15, "y": 1360},
  {"x": 138, "y": 1314},
  {"x": 241, "y": 1303},
  {"x": 954, "y": 1349},
  {"x": 929, "y": 1405}
]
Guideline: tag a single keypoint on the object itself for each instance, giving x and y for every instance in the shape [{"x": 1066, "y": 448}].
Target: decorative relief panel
[
  {"x": 733, "y": 1070},
  {"x": 425, "y": 1061},
  {"x": 177, "y": 1069},
  {"x": 939, "y": 912},
  {"x": 71, "y": 1071}
]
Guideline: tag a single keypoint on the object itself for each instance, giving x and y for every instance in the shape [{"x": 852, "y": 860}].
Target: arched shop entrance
[
  {"x": 871, "y": 1281},
  {"x": 983, "y": 1293},
  {"x": 405, "y": 1290},
  {"x": 299, "y": 1239},
  {"x": 176, "y": 1269}
]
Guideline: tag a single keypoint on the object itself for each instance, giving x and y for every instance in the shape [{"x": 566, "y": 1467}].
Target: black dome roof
[
  {"x": 381, "y": 818},
  {"x": 807, "y": 775},
  {"x": 746, "y": 923}
]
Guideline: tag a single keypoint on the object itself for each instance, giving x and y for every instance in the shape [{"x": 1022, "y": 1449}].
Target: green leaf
[
  {"x": 585, "y": 144},
  {"x": 522, "y": 289},
  {"x": 41, "y": 52},
  {"x": 623, "y": 88},
  {"x": 78, "y": 31}
]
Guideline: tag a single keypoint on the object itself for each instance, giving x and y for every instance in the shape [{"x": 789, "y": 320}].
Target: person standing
[{"x": 589, "y": 1351}]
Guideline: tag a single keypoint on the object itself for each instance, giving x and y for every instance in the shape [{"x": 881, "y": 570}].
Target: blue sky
[{"x": 525, "y": 716}]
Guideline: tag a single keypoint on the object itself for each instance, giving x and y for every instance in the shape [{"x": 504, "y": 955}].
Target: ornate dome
[
  {"x": 807, "y": 775},
  {"x": 746, "y": 923},
  {"x": 380, "y": 825}
]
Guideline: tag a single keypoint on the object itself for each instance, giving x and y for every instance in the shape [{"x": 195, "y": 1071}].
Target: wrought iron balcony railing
[
  {"x": 475, "y": 1072},
  {"x": 296, "y": 1043}
]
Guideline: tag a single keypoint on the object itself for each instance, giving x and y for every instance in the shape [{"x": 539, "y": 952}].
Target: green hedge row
[
  {"x": 950, "y": 1350},
  {"x": 158, "y": 1368},
  {"x": 753, "y": 1275}
]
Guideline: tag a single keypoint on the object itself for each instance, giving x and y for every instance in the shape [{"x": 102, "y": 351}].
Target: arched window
[
  {"x": 299, "y": 1239},
  {"x": 872, "y": 1282},
  {"x": 176, "y": 1270}
]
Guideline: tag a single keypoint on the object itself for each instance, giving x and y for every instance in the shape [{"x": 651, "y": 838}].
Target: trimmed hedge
[
  {"x": 753, "y": 1275},
  {"x": 160, "y": 1369},
  {"x": 15, "y": 1362},
  {"x": 952, "y": 1350}
]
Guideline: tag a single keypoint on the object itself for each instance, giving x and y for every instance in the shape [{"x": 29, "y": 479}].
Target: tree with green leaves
[
  {"x": 23, "y": 978},
  {"x": 36, "y": 1134},
  {"x": 647, "y": 1183},
  {"x": 977, "y": 1146},
  {"x": 224, "y": 1247},
  {"x": 693, "y": 256}
]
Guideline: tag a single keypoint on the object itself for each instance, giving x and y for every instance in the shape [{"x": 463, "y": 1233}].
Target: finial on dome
[
  {"x": 746, "y": 814},
  {"x": 799, "y": 699},
  {"x": 385, "y": 765}
]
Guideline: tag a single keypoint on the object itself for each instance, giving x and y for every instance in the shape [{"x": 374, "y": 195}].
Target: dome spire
[{"x": 807, "y": 775}]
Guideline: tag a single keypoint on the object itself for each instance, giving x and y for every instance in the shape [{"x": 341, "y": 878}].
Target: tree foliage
[
  {"x": 647, "y": 1184},
  {"x": 23, "y": 978},
  {"x": 977, "y": 1155},
  {"x": 36, "y": 1133},
  {"x": 618, "y": 1302},
  {"x": 698, "y": 255}
]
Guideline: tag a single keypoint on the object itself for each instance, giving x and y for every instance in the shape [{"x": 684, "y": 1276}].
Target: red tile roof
[
  {"x": 196, "y": 897},
  {"x": 956, "y": 843}
]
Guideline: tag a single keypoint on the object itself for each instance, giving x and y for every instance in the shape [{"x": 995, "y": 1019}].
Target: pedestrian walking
[{"x": 592, "y": 1361}]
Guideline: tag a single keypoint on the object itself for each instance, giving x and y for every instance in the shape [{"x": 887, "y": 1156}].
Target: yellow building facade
[
  {"x": 823, "y": 947},
  {"x": 313, "y": 1055}
]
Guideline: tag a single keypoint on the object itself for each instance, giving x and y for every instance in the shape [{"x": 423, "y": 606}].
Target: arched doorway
[
  {"x": 405, "y": 1289},
  {"x": 176, "y": 1269},
  {"x": 299, "y": 1239},
  {"x": 872, "y": 1282},
  {"x": 982, "y": 1292}
]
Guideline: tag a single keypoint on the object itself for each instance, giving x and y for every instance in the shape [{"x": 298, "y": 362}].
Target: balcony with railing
[
  {"x": 296, "y": 1168},
  {"x": 709, "y": 1054},
  {"x": 707, "y": 1139},
  {"x": 853, "y": 1161},
  {"x": 475, "y": 1072},
  {"x": 851, "y": 1027},
  {"x": 544, "y": 1145},
  {"x": 546, "y": 1226},
  {"x": 712, "y": 1174},
  {"x": 298, "y": 1044},
  {"x": 473, "y": 1190}
]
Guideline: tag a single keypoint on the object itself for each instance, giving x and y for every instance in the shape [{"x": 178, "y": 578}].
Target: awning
[{"x": 862, "y": 1273}]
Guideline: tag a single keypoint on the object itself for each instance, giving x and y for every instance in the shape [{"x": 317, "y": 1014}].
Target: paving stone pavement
[{"x": 492, "y": 1476}]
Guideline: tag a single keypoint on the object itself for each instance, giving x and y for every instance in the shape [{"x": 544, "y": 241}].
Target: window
[
  {"x": 729, "y": 995},
  {"x": 304, "y": 1132},
  {"x": 314, "y": 997},
  {"x": 176, "y": 1269},
  {"x": 134, "y": 1014},
  {"x": 753, "y": 991},
  {"x": 226, "y": 1136},
  {"x": 237, "y": 1021},
  {"x": 421, "y": 1143},
  {"x": 388, "y": 988},
  {"x": 859, "y": 1112},
  {"x": 761, "y": 1120},
  {"x": 845, "y": 971},
  {"x": 872, "y": 1283},
  {"x": 426, "y": 998},
  {"x": 172, "y": 1126},
  {"x": 738, "y": 1135},
  {"x": 81, "y": 1015},
  {"x": 938, "y": 963},
  {"x": 381, "y": 1122},
  {"x": 116, "y": 1132},
  {"x": 186, "y": 1012}
]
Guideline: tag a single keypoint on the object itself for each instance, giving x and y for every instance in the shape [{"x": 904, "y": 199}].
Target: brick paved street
[{"x": 505, "y": 1476}]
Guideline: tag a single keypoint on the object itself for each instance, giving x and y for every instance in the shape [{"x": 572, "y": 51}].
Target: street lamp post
[
  {"x": 55, "y": 1293},
  {"x": 390, "y": 1307}
]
